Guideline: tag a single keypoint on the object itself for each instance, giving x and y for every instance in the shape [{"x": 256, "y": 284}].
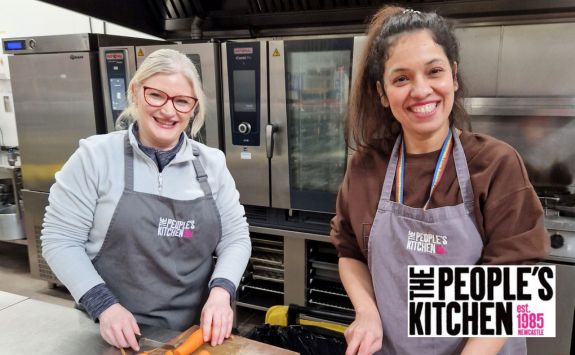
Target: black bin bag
[
  {"x": 285, "y": 331},
  {"x": 304, "y": 339}
]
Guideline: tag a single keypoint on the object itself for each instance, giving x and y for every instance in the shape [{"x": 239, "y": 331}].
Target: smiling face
[
  {"x": 161, "y": 127},
  {"x": 419, "y": 88}
]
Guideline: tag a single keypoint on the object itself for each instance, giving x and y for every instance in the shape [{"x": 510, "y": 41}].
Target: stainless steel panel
[
  {"x": 57, "y": 102},
  {"x": 35, "y": 206},
  {"x": 35, "y": 327},
  {"x": 295, "y": 270},
  {"x": 210, "y": 76},
  {"x": 479, "y": 59},
  {"x": 564, "y": 310},
  {"x": 52, "y": 44},
  {"x": 130, "y": 58},
  {"x": 521, "y": 106},
  {"x": 251, "y": 174},
  {"x": 537, "y": 60},
  {"x": 278, "y": 118}
]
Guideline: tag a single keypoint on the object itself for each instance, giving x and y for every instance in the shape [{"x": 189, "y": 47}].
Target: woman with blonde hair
[{"x": 136, "y": 215}]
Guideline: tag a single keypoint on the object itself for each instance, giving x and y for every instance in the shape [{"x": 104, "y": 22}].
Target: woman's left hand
[{"x": 217, "y": 316}]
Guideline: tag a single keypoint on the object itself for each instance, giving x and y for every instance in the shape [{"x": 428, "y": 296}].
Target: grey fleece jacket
[{"x": 90, "y": 184}]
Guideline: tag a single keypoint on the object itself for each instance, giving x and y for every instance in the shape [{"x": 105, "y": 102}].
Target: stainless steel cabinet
[
  {"x": 537, "y": 60},
  {"x": 479, "y": 59}
]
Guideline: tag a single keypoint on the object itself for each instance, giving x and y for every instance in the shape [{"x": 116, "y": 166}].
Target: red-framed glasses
[{"x": 158, "y": 98}]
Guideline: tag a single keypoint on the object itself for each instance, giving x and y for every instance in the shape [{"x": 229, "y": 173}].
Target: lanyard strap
[{"x": 437, "y": 174}]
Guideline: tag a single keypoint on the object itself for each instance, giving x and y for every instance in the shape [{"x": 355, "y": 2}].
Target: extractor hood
[{"x": 184, "y": 19}]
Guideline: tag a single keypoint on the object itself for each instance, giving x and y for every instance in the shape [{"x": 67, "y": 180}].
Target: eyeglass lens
[{"x": 159, "y": 98}]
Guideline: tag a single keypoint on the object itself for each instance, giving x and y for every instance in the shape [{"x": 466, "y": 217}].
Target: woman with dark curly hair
[{"x": 418, "y": 171}]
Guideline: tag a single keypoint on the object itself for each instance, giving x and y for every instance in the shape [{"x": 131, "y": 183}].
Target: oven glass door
[{"x": 317, "y": 83}]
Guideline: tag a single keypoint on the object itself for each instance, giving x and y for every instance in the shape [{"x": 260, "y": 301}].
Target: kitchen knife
[{"x": 150, "y": 344}]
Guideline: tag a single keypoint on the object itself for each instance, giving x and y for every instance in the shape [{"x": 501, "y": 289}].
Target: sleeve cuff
[
  {"x": 226, "y": 285},
  {"x": 97, "y": 300}
]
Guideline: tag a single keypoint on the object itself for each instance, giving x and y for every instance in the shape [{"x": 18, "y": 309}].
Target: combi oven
[
  {"x": 285, "y": 103},
  {"x": 118, "y": 65}
]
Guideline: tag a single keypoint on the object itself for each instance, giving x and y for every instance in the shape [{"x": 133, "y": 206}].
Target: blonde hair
[{"x": 166, "y": 61}]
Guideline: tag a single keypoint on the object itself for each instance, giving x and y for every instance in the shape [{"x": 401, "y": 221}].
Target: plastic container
[{"x": 10, "y": 226}]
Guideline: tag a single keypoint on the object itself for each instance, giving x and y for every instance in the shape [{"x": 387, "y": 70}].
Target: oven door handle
[{"x": 271, "y": 131}]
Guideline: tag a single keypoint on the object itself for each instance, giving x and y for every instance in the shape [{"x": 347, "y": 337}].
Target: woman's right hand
[
  {"x": 364, "y": 336},
  {"x": 118, "y": 327}
]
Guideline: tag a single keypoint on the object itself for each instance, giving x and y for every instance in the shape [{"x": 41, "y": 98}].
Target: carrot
[
  {"x": 203, "y": 352},
  {"x": 194, "y": 341}
]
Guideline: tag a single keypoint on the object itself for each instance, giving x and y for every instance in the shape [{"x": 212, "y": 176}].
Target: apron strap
[
  {"x": 461, "y": 169},
  {"x": 390, "y": 174},
  {"x": 201, "y": 175},
  {"x": 128, "y": 164}
]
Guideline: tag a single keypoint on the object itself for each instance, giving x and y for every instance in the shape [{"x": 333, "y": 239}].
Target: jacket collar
[{"x": 184, "y": 154}]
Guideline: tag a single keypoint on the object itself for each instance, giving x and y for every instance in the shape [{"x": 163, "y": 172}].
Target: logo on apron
[
  {"x": 168, "y": 227},
  {"x": 427, "y": 243}
]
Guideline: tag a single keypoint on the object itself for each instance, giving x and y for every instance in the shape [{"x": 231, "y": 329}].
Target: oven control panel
[{"x": 244, "y": 78}]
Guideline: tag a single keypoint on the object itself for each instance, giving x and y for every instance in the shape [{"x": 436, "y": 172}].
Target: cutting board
[{"x": 234, "y": 345}]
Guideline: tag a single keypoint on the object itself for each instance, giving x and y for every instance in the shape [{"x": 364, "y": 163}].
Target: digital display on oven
[
  {"x": 244, "y": 90},
  {"x": 118, "y": 94},
  {"x": 14, "y": 45}
]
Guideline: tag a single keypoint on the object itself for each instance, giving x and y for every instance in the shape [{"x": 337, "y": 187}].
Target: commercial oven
[
  {"x": 285, "y": 104},
  {"x": 118, "y": 65},
  {"x": 541, "y": 129},
  {"x": 57, "y": 101}
]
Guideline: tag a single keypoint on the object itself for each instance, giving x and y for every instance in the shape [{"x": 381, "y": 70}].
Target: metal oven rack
[
  {"x": 324, "y": 288},
  {"x": 262, "y": 285}
]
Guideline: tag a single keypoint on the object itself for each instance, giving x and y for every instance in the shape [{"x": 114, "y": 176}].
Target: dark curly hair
[{"x": 369, "y": 124}]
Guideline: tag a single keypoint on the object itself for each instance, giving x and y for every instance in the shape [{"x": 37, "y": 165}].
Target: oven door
[{"x": 309, "y": 89}]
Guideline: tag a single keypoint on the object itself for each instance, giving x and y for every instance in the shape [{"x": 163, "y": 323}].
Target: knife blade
[{"x": 150, "y": 344}]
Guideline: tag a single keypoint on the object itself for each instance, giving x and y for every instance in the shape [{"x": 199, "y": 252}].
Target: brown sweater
[{"x": 508, "y": 213}]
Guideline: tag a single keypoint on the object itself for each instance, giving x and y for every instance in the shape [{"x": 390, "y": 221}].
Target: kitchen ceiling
[{"x": 184, "y": 19}]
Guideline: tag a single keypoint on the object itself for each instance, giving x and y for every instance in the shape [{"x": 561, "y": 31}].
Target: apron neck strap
[
  {"x": 128, "y": 164},
  {"x": 201, "y": 175},
  {"x": 396, "y": 169}
]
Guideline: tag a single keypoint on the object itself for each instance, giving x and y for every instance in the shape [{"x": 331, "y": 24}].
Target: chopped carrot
[
  {"x": 203, "y": 352},
  {"x": 194, "y": 341}
]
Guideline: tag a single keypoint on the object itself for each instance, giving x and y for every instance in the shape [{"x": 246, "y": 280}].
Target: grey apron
[
  {"x": 389, "y": 254},
  {"x": 157, "y": 254}
]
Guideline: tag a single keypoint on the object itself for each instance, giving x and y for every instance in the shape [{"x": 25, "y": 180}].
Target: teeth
[
  {"x": 168, "y": 123},
  {"x": 424, "y": 109}
]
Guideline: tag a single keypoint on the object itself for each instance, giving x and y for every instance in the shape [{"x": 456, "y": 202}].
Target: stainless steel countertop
[
  {"x": 9, "y": 299},
  {"x": 33, "y": 327}
]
